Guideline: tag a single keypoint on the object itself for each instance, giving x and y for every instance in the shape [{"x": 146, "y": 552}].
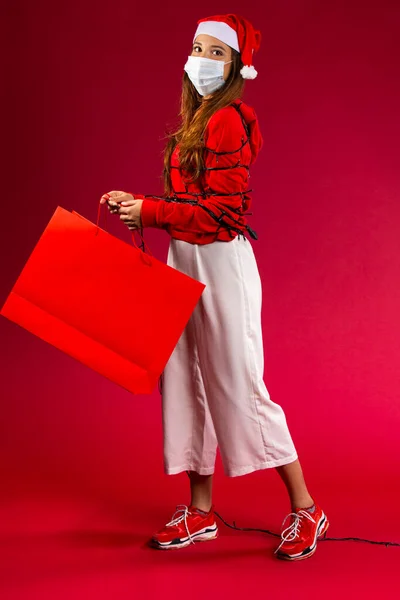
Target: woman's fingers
[
  {"x": 129, "y": 219},
  {"x": 130, "y": 202},
  {"x": 112, "y": 207},
  {"x": 106, "y": 198},
  {"x": 114, "y": 199},
  {"x": 116, "y": 196},
  {"x": 132, "y": 223}
]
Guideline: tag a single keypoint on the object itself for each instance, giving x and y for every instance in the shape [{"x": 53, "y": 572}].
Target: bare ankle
[
  {"x": 303, "y": 502},
  {"x": 201, "y": 505}
]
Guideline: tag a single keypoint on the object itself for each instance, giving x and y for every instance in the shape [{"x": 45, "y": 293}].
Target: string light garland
[
  {"x": 222, "y": 222},
  {"x": 223, "y": 218},
  {"x": 324, "y": 538}
]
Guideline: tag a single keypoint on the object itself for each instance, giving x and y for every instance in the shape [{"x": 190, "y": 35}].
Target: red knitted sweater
[{"x": 214, "y": 207}]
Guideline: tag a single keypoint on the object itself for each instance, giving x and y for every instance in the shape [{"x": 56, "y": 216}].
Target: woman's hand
[
  {"x": 130, "y": 213},
  {"x": 114, "y": 199},
  {"x": 125, "y": 205}
]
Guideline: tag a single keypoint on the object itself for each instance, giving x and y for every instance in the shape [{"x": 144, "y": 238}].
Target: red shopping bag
[{"x": 104, "y": 302}]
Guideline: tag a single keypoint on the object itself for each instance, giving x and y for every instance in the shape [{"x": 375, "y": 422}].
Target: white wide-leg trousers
[{"x": 213, "y": 393}]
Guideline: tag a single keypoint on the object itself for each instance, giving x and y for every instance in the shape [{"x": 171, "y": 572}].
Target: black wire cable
[
  {"x": 323, "y": 539},
  {"x": 174, "y": 198},
  {"x": 224, "y": 215}
]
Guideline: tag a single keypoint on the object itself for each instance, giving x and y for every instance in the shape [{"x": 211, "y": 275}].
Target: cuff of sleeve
[{"x": 148, "y": 214}]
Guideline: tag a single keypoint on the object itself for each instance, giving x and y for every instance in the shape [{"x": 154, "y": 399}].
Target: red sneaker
[
  {"x": 299, "y": 540},
  {"x": 185, "y": 529}
]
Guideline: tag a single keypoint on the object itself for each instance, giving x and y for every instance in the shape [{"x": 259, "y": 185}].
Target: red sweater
[{"x": 200, "y": 216}]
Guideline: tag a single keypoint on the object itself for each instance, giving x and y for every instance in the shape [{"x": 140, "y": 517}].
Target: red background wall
[{"x": 91, "y": 89}]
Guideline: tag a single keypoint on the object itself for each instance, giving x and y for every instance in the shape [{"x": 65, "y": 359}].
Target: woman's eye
[{"x": 219, "y": 53}]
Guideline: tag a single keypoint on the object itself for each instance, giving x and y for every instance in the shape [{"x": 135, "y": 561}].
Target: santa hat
[{"x": 236, "y": 32}]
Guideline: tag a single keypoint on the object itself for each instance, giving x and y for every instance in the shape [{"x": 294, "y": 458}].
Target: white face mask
[{"x": 206, "y": 74}]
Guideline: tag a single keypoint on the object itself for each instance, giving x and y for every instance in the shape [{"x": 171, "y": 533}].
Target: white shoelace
[
  {"x": 183, "y": 517},
  {"x": 293, "y": 529}
]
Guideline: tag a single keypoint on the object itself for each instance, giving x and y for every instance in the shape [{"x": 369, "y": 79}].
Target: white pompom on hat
[{"x": 238, "y": 33}]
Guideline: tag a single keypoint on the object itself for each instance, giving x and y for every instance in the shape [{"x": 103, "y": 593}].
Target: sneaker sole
[
  {"x": 205, "y": 535},
  {"x": 307, "y": 552}
]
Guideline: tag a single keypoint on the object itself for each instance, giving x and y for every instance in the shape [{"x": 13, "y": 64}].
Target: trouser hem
[
  {"x": 234, "y": 471},
  {"x": 181, "y": 468},
  {"x": 269, "y": 464}
]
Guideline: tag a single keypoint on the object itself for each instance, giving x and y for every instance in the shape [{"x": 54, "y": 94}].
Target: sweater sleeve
[{"x": 224, "y": 182}]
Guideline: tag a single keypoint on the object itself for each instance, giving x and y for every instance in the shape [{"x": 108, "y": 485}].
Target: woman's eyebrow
[{"x": 212, "y": 45}]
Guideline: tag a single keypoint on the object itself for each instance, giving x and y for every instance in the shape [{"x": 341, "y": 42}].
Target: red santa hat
[{"x": 236, "y": 32}]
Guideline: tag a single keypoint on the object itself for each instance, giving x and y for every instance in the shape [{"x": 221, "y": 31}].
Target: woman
[{"x": 213, "y": 392}]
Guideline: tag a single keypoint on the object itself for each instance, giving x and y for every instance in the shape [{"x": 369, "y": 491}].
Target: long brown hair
[{"x": 194, "y": 114}]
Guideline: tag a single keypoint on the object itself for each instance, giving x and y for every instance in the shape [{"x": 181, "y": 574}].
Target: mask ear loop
[{"x": 133, "y": 237}]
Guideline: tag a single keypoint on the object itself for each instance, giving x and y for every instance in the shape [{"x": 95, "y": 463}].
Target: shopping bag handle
[{"x": 133, "y": 237}]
